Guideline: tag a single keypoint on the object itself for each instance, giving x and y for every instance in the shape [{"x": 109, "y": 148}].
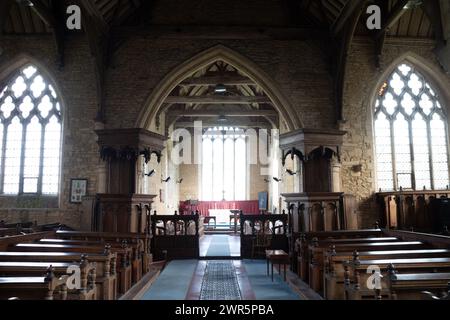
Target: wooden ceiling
[
  {"x": 340, "y": 19},
  {"x": 22, "y": 19},
  {"x": 412, "y": 23}
]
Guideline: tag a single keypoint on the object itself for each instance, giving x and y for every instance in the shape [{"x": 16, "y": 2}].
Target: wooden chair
[{"x": 261, "y": 242}]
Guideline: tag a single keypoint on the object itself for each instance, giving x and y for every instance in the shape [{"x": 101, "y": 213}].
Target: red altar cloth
[{"x": 203, "y": 207}]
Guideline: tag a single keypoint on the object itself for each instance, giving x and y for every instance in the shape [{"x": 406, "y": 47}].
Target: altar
[{"x": 205, "y": 207}]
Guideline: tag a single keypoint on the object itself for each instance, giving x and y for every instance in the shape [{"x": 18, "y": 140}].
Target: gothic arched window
[
  {"x": 30, "y": 135},
  {"x": 410, "y": 133},
  {"x": 224, "y": 164}
]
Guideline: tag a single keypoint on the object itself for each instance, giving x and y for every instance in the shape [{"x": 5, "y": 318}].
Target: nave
[{"x": 219, "y": 280}]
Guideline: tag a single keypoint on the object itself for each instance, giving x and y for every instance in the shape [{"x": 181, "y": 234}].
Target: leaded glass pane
[
  {"x": 390, "y": 103},
  {"x": 240, "y": 169},
  {"x": 207, "y": 178},
  {"x": 415, "y": 84},
  {"x": 7, "y": 107},
  {"x": 408, "y": 104},
  {"x": 224, "y": 164},
  {"x": 439, "y": 151},
  {"x": 32, "y": 156},
  {"x": 218, "y": 190},
  {"x": 13, "y": 154},
  {"x": 228, "y": 165},
  {"x": 52, "y": 145},
  {"x": 419, "y": 109},
  {"x": 402, "y": 152},
  {"x": 29, "y": 102},
  {"x": 384, "y": 153},
  {"x": 421, "y": 154}
]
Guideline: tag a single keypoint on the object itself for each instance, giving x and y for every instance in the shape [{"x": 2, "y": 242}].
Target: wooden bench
[
  {"x": 334, "y": 268},
  {"x": 411, "y": 286},
  {"x": 142, "y": 239},
  {"x": 317, "y": 252},
  {"x": 136, "y": 258},
  {"x": 106, "y": 277},
  {"x": 301, "y": 242},
  {"x": 87, "y": 290},
  {"x": 123, "y": 254},
  {"x": 6, "y": 242},
  {"x": 356, "y": 274},
  {"x": 48, "y": 287}
]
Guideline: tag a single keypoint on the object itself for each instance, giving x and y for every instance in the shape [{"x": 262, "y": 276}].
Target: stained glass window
[
  {"x": 30, "y": 131},
  {"x": 410, "y": 134},
  {"x": 224, "y": 164}
]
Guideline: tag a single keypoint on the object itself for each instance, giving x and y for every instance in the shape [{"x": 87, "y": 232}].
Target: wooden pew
[
  {"x": 34, "y": 288},
  {"x": 5, "y": 232},
  {"x": 411, "y": 286},
  {"x": 87, "y": 290},
  {"x": 356, "y": 274},
  {"x": 136, "y": 259},
  {"x": 317, "y": 252},
  {"x": 303, "y": 240},
  {"x": 142, "y": 239},
  {"x": 106, "y": 276},
  {"x": 334, "y": 268},
  {"x": 6, "y": 242},
  {"x": 123, "y": 254}
]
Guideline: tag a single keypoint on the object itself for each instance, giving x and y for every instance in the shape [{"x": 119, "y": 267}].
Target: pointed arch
[
  {"x": 201, "y": 60},
  {"x": 31, "y": 129},
  {"x": 10, "y": 67},
  {"x": 434, "y": 75},
  {"x": 409, "y": 107}
]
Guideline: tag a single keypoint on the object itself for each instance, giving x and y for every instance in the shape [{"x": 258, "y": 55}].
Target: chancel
[{"x": 224, "y": 150}]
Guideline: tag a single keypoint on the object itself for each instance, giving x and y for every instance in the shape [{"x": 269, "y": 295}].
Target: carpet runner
[
  {"x": 220, "y": 282},
  {"x": 219, "y": 246}
]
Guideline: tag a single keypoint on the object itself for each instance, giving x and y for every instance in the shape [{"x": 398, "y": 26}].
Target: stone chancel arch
[{"x": 287, "y": 113}]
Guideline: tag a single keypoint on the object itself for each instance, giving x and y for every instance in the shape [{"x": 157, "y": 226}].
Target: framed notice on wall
[
  {"x": 78, "y": 189},
  {"x": 263, "y": 200}
]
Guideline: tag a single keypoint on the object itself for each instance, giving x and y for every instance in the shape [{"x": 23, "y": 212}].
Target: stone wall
[
  {"x": 75, "y": 83},
  {"x": 362, "y": 80},
  {"x": 299, "y": 68}
]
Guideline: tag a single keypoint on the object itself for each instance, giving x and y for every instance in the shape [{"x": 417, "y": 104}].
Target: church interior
[{"x": 224, "y": 150}]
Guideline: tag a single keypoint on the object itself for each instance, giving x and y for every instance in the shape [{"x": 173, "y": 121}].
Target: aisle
[
  {"x": 218, "y": 280},
  {"x": 220, "y": 245},
  {"x": 173, "y": 283}
]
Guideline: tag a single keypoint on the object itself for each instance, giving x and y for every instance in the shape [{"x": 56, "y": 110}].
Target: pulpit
[
  {"x": 320, "y": 205},
  {"x": 120, "y": 209}
]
